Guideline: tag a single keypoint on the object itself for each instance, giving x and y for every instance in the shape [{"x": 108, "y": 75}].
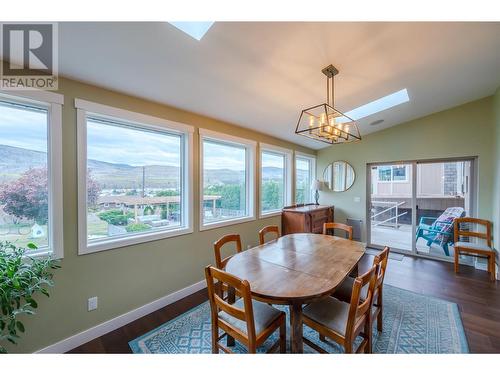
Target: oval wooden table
[{"x": 296, "y": 269}]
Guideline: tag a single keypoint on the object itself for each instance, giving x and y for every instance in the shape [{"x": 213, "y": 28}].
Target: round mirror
[{"x": 339, "y": 176}]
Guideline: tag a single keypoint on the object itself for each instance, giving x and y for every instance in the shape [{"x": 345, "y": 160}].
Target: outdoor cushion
[
  {"x": 329, "y": 312},
  {"x": 444, "y": 222},
  {"x": 471, "y": 245},
  {"x": 263, "y": 315}
]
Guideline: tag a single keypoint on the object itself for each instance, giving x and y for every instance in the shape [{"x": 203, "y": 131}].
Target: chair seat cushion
[
  {"x": 263, "y": 314},
  {"x": 472, "y": 246},
  {"x": 329, "y": 312},
  {"x": 344, "y": 291}
]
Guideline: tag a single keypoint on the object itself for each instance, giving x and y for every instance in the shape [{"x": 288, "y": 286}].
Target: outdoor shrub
[{"x": 139, "y": 227}]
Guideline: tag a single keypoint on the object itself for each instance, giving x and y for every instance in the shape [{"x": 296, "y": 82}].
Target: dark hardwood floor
[{"x": 478, "y": 300}]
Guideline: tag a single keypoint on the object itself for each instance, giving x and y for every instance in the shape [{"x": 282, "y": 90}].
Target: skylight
[
  {"x": 195, "y": 30},
  {"x": 379, "y": 105}
]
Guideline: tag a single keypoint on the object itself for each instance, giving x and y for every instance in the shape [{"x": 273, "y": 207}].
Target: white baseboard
[{"x": 121, "y": 320}]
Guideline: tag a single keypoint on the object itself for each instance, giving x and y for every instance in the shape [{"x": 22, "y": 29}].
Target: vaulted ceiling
[{"x": 260, "y": 75}]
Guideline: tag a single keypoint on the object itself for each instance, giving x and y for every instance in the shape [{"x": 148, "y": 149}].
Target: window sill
[
  {"x": 43, "y": 254},
  {"x": 264, "y": 215},
  {"x": 225, "y": 223},
  {"x": 111, "y": 243}
]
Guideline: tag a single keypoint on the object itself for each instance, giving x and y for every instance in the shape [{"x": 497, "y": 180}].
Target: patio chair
[{"x": 439, "y": 230}]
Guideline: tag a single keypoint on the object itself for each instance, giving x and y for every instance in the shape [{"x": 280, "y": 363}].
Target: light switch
[{"x": 357, "y": 199}]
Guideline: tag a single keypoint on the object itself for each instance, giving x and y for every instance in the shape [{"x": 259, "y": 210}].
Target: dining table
[{"x": 295, "y": 270}]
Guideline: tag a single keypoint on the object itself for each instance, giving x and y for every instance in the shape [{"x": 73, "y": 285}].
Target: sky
[
  {"x": 114, "y": 144},
  {"x": 23, "y": 128}
]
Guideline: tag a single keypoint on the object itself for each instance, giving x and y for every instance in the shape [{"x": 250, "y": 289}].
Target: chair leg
[
  {"x": 215, "y": 336},
  {"x": 368, "y": 333},
  {"x": 457, "y": 254},
  {"x": 446, "y": 250},
  {"x": 491, "y": 261},
  {"x": 283, "y": 337},
  {"x": 348, "y": 347},
  {"x": 379, "y": 319}
]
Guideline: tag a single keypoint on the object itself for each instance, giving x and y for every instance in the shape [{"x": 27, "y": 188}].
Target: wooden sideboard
[{"x": 308, "y": 218}]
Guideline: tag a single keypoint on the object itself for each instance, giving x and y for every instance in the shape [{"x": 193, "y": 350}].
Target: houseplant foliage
[{"x": 21, "y": 279}]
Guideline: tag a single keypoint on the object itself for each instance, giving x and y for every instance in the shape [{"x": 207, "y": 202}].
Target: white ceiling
[{"x": 260, "y": 75}]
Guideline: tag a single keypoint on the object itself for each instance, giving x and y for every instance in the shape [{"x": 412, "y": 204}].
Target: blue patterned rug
[{"x": 413, "y": 323}]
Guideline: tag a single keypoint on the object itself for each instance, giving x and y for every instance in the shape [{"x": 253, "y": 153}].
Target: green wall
[
  {"x": 129, "y": 277},
  {"x": 496, "y": 172},
  {"x": 461, "y": 131}
]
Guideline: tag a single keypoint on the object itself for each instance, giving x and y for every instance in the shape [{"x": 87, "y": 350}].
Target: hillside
[{"x": 15, "y": 160}]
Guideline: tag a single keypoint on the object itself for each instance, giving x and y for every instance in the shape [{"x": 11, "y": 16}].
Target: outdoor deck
[{"x": 401, "y": 239}]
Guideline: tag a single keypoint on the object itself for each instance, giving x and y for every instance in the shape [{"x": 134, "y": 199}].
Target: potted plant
[{"x": 21, "y": 279}]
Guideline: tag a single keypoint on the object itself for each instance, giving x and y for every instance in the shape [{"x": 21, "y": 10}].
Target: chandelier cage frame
[{"x": 323, "y": 122}]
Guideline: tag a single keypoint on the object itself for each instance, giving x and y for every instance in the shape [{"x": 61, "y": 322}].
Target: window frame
[
  {"x": 138, "y": 120},
  {"x": 312, "y": 174},
  {"x": 250, "y": 181},
  {"x": 288, "y": 191},
  {"x": 392, "y": 180},
  {"x": 53, "y": 102}
]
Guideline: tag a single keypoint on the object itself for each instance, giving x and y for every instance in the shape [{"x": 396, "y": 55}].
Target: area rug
[{"x": 413, "y": 323}]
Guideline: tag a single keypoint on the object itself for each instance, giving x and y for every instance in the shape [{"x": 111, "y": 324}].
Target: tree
[
  {"x": 271, "y": 195},
  {"x": 28, "y": 196},
  {"x": 93, "y": 190}
]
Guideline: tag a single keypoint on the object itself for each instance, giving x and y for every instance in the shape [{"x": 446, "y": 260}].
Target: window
[
  {"x": 227, "y": 179},
  {"x": 305, "y": 174},
  {"x": 391, "y": 173},
  {"x": 133, "y": 177},
  {"x": 275, "y": 179},
  {"x": 31, "y": 173}
]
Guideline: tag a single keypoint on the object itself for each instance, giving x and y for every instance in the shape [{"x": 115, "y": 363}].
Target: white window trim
[
  {"x": 288, "y": 191},
  {"x": 250, "y": 147},
  {"x": 146, "y": 122},
  {"x": 312, "y": 174},
  {"x": 53, "y": 102}
]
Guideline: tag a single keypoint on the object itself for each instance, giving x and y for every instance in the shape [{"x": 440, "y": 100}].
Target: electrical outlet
[
  {"x": 249, "y": 247},
  {"x": 357, "y": 199},
  {"x": 92, "y": 303}
]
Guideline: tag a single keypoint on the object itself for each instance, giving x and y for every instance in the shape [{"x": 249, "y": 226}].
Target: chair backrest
[
  {"x": 347, "y": 228},
  {"x": 219, "y": 262},
  {"x": 268, "y": 229},
  {"x": 360, "y": 308},
  {"x": 217, "y": 276},
  {"x": 468, "y": 232},
  {"x": 380, "y": 261}
]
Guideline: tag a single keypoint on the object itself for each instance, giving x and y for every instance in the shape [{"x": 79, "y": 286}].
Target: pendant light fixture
[{"x": 325, "y": 123}]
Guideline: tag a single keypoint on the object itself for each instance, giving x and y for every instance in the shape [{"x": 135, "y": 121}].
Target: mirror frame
[{"x": 326, "y": 184}]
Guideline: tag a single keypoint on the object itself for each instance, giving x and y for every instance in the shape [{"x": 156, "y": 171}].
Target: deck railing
[{"x": 393, "y": 220}]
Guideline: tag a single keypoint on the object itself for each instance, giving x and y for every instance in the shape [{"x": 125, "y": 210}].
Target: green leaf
[
  {"x": 32, "y": 246},
  {"x": 20, "y": 326}
]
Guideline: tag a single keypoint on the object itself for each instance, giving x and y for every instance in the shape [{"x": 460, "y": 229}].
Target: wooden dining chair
[
  {"x": 266, "y": 230},
  {"x": 228, "y": 238},
  {"x": 471, "y": 248},
  {"x": 250, "y": 322},
  {"x": 344, "y": 291},
  {"x": 344, "y": 322},
  {"x": 332, "y": 226}
]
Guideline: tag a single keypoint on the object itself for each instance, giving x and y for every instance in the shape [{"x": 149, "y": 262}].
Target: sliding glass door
[
  {"x": 391, "y": 205},
  {"x": 412, "y": 205}
]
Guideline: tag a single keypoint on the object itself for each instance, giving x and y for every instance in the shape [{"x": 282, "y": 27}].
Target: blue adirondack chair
[{"x": 439, "y": 230}]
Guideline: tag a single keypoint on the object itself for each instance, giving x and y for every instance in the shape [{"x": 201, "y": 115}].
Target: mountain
[{"x": 14, "y": 161}]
